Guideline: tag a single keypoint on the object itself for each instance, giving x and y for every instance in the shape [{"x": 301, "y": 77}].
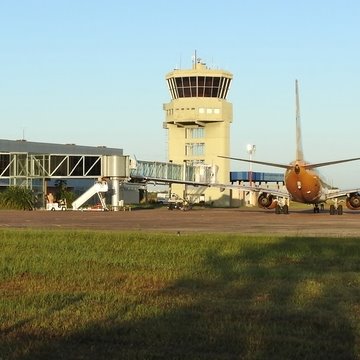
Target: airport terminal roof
[{"x": 18, "y": 146}]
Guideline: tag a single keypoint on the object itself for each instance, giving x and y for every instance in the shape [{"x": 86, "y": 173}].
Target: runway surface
[{"x": 240, "y": 221}]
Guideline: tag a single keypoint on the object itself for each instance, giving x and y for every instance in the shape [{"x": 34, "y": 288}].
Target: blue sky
[{"x": 93, "y": 73}]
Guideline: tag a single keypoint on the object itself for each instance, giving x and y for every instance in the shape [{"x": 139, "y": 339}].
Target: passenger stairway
[{"x": 99, "y": 188}]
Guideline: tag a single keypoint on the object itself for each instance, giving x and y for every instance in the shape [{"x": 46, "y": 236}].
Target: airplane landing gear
[
  {"x": 282, "y": 209},
  {"x": 336, "y": 210}
]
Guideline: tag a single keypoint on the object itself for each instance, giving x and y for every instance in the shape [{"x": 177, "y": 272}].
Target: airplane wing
[
  {"x": 333, "y": 194},
  {"x": 256, "y": 189}
]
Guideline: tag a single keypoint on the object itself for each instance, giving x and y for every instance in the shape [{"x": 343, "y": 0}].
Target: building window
[
  {"x": 195, "y": 133},
  {"x": 188, "y": 149},
  {"x": 198, "y": 149},
  {"x": 209, "y": 111},
  {"x": 194, "y": 149}
]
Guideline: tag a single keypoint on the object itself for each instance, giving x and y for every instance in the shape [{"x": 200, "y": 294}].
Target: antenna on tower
[{"x": 194, "y": 60}]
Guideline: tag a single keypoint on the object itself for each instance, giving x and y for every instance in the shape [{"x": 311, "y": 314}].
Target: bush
[{"x": 17, "y": 198}]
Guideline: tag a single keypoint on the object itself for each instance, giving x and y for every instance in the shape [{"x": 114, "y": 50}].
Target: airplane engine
[
  {"x": 353, "y": 201},
  {"x": 266, "y": 201}
]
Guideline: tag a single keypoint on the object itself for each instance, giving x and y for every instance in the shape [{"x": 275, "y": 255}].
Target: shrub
[{"x": 17, "y": 197}]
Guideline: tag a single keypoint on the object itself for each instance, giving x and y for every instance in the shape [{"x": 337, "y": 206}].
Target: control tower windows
[{"x": 199, "y": 86}]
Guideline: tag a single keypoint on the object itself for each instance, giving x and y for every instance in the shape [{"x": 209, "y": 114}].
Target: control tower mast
[{"x": 198, "y": 119}]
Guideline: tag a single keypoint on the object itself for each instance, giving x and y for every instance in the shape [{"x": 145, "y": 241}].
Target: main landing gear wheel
[
  {"x": 339, "y": 210},
  {"x": 282, "y": 209}
]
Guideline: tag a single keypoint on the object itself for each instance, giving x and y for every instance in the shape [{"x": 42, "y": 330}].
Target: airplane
[{"x": 302, "y": 181}]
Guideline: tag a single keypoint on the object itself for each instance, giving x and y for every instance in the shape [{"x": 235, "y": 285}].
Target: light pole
[{"x": 251, "y": 150}]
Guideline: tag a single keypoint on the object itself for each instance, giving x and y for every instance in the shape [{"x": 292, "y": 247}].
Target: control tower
[{"x": 198, "y": 119}]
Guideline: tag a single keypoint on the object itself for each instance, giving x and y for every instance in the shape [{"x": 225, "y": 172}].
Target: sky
[{"x": 93, "y": 73}]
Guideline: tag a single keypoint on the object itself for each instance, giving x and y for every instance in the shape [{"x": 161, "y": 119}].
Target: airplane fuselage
[{"x": 304, "y": 185}]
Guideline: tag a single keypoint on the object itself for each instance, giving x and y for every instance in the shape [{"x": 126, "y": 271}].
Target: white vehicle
[
  {"x": 162, "y": 198},
  {"x": 176, "y": 202},
  {"x": 56, "y": 206}
]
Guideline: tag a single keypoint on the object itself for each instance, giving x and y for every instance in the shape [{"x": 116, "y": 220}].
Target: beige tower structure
[{"x": 198, "y": 119}]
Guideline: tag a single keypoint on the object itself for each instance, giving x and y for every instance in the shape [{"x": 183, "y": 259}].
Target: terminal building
[
  {"x": 37, "y": 165},
  {"x": 197, "y": 121}
]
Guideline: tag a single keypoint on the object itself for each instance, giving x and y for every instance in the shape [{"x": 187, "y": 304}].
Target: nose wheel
[
  {"x": 318, "y": 208},
  {"x": 282, "y": 209}
]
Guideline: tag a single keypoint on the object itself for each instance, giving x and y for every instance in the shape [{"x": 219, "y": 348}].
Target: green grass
[{"x": 106, "y": 295}]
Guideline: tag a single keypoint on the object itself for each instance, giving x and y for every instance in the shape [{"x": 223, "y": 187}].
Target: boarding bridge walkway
[{"x": 170, "y": 172}]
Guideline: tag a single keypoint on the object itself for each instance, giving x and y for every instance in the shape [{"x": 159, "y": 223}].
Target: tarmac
[{"x": 237, "y": 221}]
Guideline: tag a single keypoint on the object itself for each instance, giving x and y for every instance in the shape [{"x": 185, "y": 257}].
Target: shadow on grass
[
  {"x": 293, "y": 299},
  {"x": 60, "y": 304}
]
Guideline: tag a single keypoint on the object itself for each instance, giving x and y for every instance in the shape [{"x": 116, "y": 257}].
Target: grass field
[{"x": 107, "y": 295}]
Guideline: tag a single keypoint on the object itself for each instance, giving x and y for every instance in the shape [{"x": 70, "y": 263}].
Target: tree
[{"x": 63, "y": 192}]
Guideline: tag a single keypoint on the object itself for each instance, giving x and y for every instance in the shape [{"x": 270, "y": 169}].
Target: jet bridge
[
  {"x": 155, "y": 172},
  {"x": 170, "y": 172}
]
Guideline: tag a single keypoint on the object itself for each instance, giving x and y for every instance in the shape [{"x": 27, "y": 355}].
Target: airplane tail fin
[{"x": 299, "y": 148}]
